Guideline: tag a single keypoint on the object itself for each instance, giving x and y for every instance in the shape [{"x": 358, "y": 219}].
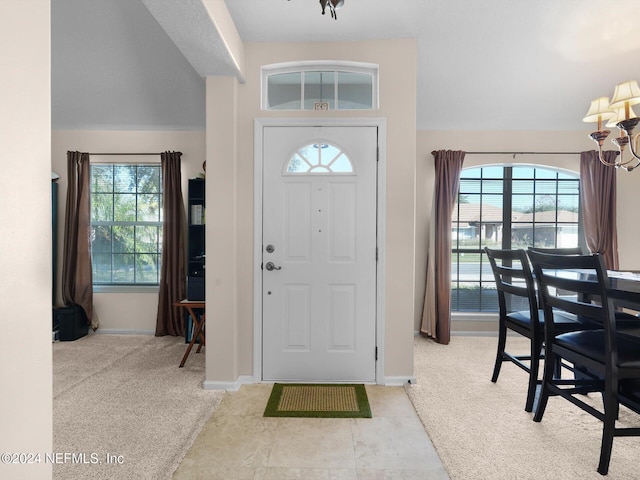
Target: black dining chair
[
  {"x": 519, "y": 312},
  {"x": 610, "y": 356},
  {"x": 558, "y": 250}
]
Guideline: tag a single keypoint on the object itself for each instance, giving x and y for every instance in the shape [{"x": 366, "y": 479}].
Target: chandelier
[
  {"x": 617, "y": 113},
  {"x": 333, "y": 6}
]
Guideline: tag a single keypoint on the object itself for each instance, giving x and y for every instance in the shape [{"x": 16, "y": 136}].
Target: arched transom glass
[
  {"x": 319, "y": 158},
  {"x": 320, "y": 85}
]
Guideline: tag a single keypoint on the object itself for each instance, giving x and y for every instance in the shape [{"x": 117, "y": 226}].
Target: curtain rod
[
  {"x": 138, "y": 153},
  {"x": 523, "y": 153}
]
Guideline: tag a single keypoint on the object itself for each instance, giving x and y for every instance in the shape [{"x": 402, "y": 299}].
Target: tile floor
[{"x": 238, "y": 443}]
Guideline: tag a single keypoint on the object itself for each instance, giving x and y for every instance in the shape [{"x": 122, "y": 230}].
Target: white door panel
[{"x": 319, "y": 302}]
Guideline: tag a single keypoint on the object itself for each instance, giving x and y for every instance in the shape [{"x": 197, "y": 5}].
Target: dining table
[
  {"x": 624, "y": 290},
  {"x": 625, "y": 286}
]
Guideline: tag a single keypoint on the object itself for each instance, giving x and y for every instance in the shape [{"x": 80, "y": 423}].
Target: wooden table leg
[
  {"x": 197, "y": 333},
  {"x": 202, "y": 334}
]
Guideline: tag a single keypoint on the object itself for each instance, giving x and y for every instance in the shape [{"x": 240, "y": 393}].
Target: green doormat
[{"x": 318, "y": 400}]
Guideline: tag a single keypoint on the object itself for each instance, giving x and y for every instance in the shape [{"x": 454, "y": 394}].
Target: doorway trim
[{"x": 259, "y": 125}]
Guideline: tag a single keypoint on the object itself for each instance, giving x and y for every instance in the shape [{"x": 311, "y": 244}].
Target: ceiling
[{"x": 482, "y": 64}]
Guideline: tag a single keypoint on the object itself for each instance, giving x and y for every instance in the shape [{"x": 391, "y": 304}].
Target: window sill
[
  {"x": 126, "y": 288},
  {"x": 475, "y": 316}
]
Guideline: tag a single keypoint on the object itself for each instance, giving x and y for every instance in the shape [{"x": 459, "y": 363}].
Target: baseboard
[
  {"x": 228, "y": 386},
  {"x": 470, "y": 333},
  {"x": 398, "y": 381},
  {"x": 117, "y": 331},
  {"x": 465, "y": 333}
]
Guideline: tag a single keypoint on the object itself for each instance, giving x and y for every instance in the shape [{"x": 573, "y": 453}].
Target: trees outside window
[{"x": 126, "y": 224}]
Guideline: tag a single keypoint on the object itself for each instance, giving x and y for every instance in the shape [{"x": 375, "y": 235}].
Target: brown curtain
[
  {"x": 436, "y": 315},
  {"x": 77, "y": 280},
  {"x": 598, "y": 205},
  {"x": 172, "y": 274}
]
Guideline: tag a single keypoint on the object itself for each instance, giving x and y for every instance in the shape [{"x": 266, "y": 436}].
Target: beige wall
[
  {"x": 224, "y": 293},
  {"x": 25, "y": 243},
  {"x": 397, "y": 60},
  {"x": 513, "y": 141},
  {"x": 628, "y": 225},
  {"x": 118, "y": 311}
]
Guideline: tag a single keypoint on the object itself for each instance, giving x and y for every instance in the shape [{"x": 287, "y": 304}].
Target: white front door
[{"x": 319, "y": 253}]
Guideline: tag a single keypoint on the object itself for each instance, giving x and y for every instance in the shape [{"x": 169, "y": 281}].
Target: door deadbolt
[
  {"x": 270, "y": 249},
  {"x": 270, "y": 266}
]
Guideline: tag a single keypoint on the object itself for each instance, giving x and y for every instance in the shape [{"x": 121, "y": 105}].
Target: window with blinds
[{"x": 507, "y": 207}]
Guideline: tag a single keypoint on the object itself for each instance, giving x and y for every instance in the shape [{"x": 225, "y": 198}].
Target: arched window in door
[{"x": 319, "y": 158}]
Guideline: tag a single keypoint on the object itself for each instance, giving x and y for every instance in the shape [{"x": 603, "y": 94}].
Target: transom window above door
[
  {"x": 319, "y": 158},
  {"x": 320, "y": 86}
]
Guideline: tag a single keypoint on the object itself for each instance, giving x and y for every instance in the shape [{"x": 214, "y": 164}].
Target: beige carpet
[
  {"x": 481, "y": 431},
  {"x": 123, "y": 396}
]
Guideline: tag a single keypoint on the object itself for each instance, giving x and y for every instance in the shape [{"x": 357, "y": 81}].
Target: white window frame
[
  {"x": 128, "y": 287},
  {"x": 319, "y": 66}
]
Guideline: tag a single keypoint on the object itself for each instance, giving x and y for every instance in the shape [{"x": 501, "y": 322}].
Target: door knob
[{"x": 270, "y": 266}]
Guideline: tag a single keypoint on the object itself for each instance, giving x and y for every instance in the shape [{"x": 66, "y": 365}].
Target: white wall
[
  {"x": 25, "y": 243},
  {"x": 514, "y": 141},
  {"x": 123, "y": 312}
]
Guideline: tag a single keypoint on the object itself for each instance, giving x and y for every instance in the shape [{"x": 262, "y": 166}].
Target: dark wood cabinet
[{"x": 196, "y": 240}]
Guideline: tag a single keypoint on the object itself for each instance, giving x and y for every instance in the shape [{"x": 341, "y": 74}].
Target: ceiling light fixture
[
  {"x": 333, "y": 6},
  {"x": 619, "y": 114}
]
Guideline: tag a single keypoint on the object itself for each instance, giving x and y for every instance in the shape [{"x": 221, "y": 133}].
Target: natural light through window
[
  {"x": 507, "y": 207},
  {"x": 319, "y": 158},
  {"x": 320, "y": 85},
  {"x": 126, "y": 224}
]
